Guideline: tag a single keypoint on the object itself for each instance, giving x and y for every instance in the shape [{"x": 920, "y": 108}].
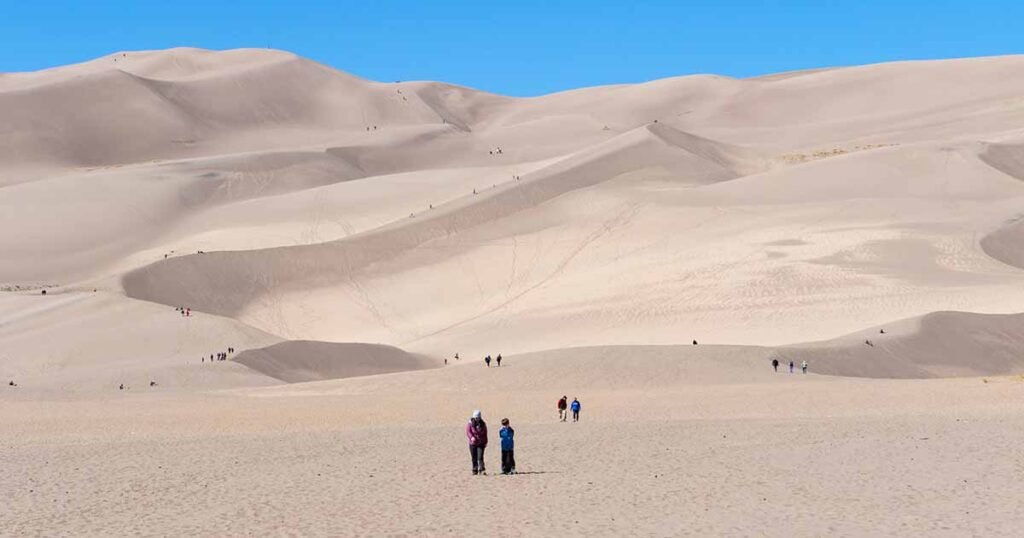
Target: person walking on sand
[
  {"x": 508, "y": 458},
  {"x": 775, "y": 364},
  {"x": 562, "y": 404},
  {"x": 791, "y": 366},
  {"x": 575, "y": 407},
  {"x": 476, "y": 433},
  {"x": 803, "y": 366},
  {"x": 487, "y": 359},
  {"x": 498, "y": 360}
]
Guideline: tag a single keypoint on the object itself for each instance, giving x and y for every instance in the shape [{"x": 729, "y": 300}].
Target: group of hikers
[
  {"x": 792, "y": 365},
  {"x": 487, "y": 360},
  {"x": 221, "y": 355},
  {"x": 476, "y": 434},
  {"x": 185, "y": 312},
  {"x": 122, "y": 386},
  {"x": 574, "y": 407}
]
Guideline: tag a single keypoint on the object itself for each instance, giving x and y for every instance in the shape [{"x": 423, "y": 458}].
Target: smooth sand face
[{"x": 328, "y": 227}]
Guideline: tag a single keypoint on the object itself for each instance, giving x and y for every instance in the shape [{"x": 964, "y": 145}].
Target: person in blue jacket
[
  {"x": 575, "y": 408},
  {"x": 508, "y": 459}
]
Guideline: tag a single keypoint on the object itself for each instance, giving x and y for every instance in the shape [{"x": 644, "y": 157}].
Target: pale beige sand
[
  {"x": 770, "y": 216},
  {"x": 732, "y": 450}
]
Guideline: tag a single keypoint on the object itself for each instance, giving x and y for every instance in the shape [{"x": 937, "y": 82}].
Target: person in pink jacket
[{"x": 476, "y": 432}]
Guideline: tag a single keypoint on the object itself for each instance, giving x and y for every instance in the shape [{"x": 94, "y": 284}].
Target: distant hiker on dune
[
  {"x": 487, "y": 359},
  {"x": 791, "y": 366},
  {"x": 562, "y": 405},
  {"x": 575, "y": 408},
  {"x": 498, "y": 359},
  {"x": 775, "y": 364},
  {"x": 476, "y": 433},
  {"x": 803, "y": 366}
]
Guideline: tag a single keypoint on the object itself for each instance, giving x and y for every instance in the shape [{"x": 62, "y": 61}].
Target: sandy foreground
[
  {"x": 777, "y": 454},
  {"x": 347, "y": 237}
]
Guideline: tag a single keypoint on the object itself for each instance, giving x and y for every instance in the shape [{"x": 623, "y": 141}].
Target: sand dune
[
  {"x": 299, "y": 361},
  {"x": 940, "y": 344},
  {"x": 591, "y": 237}
]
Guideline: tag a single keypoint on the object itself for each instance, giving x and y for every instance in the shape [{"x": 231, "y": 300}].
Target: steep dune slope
[
  {"x": 438, "y": 218},
  {"x": 224, "y": 282},
  {"x": 940, "y": 344},
  {"x": 187, "y": 103}
]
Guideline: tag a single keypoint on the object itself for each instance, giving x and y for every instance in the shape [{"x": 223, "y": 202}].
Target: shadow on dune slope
[
  {"x": 302, "y": 360},
  {"x": 940, "y": 344}
]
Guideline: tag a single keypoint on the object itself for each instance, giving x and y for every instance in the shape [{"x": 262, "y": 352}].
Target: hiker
[
  {"x": 508, "y": 459},
  {"x": 121, "y": 387},
  {"x": 575, "y": 407},
  {"x": 775, "y": 364},
  {"x": 476, "y": 432},
  {"x": 790, "y": 366},
  {"x": 694, "y": 342},
  {"x": 446, "y": 361},
  {"x": 561, "y": 408},
  {"x": 152, "y": 383},
  {"x": 868, "y": 342},
  {"x": 456, "y": 356},
  {"x": 202, "y": 359},
  {"x": 12, "y": 383},
  {"x": 803, "y": 366},
  {"x": 498, "y": 359},
  {"x": 487, "y": 359},
  {"x": 44, "y": 292}
]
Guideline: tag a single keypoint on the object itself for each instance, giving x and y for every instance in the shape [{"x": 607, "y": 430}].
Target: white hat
[{"x": 476, "y": 414}]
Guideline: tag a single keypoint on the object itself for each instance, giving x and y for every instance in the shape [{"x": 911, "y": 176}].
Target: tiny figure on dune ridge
[
  {"x": 575, "y": 408},
  {"x": 562, "y": 406},
  {"x": 803, "y": 366}
]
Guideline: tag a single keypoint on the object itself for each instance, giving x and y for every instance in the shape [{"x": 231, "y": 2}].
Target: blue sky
[{"x": 522, "y": 47}]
